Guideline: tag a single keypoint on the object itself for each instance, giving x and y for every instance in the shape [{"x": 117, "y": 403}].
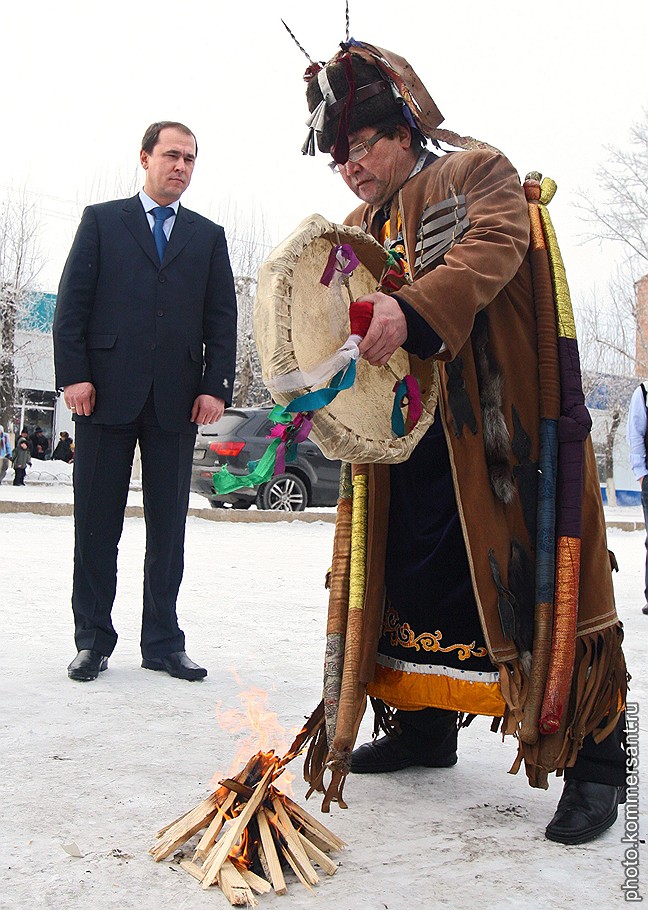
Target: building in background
[
  {"x": 607, "y": 400},
  {"x": 35, "y": 402}
]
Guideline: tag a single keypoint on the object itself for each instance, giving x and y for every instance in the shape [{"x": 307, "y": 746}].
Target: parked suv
[{"x": 240, "y": 436}]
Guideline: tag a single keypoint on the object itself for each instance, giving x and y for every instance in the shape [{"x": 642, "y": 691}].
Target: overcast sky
[{"x": 81, "y": 81}]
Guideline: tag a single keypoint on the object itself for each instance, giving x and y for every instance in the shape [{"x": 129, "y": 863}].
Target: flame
[
  {"x": 243, "y": 853},
  {"x": 258, "y": 728}
]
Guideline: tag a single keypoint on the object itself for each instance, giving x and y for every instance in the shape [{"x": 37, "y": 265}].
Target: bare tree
[
  {"x": 112, "y": 184},
  {"x": 249, "y": 245},
  {"x": 613, "y": 349},
  {"x": 20, "y": 264},
  {"x": 606, "y": 344},
  {"x": 619, "y": 213}
]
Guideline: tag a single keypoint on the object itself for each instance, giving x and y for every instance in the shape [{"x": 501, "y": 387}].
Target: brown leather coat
[{"x": 478, "y": 297}]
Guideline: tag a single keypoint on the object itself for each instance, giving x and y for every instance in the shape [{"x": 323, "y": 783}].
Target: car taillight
[{"x": 231, "y": 449}]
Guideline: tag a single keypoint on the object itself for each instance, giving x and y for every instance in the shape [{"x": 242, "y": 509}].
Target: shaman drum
[{"x": 299, "y": 323}]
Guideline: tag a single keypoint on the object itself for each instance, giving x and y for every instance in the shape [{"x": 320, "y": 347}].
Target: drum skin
[{"x": 299, "y": 323}]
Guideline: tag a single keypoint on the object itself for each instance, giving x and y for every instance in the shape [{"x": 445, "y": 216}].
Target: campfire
[{"x": 252, "y": 833}]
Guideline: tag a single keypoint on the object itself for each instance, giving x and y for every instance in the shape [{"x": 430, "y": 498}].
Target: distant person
[
  {"x": 64, "y": 448},
  {"x": 40, "y": 444},
  {"x": 144, "y": 349},
  {"x": 20, "y": 459},
  {"x": 24, "y": 434},
  {"x": 5, "y": 453},
  {"x": 636, "y": 433}
]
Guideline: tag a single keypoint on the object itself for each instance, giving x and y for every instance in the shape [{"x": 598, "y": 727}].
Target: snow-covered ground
[{"x": 104, "y": 765}]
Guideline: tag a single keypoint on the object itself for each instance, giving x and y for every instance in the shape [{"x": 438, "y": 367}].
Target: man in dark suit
[{"x": 144, "y": 347}]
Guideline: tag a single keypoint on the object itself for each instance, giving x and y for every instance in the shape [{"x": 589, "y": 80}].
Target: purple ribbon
[
  {"x": 414, "y": 406},
  {"x": 290, "y": 434},
  {"x": 343, "y": 251}
]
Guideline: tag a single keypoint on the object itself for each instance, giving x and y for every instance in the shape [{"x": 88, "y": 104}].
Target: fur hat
[
  {"x": 364, "y": 85},
  {"x": 360, "y": 86},
  {"x": 372, "y": 99}
]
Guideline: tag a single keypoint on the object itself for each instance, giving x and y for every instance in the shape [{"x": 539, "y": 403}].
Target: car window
[
  {"x": 228, "y": 424},
  {"x": 265, "y": 428}
]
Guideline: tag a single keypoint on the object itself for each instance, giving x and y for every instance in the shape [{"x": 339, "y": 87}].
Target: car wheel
[{"x": 284, "y": 493}]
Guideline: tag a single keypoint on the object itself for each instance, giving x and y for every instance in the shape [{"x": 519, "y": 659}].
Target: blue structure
[
  {"x": 607, "y": 393},
  {"x": 39, "y": 312}
]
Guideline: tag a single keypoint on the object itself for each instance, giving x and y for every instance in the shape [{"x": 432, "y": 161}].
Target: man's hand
[
  {"x": 80, "y": 398},
  {"x": 207, "y": 409},
  {"x": 387, "y": 331}
]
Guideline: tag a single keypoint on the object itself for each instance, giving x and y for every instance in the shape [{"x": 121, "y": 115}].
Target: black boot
[
  {"x": 428, "y": 739},
  {"x": 586, "y": 809},
  {"x": 87, "y": 665}
]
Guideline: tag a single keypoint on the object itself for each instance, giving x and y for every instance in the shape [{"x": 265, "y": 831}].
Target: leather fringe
[
  {"x": 385, "y": 720},
  {"x": 315, "y": 759},
  {"x": 597, "y": 698}
]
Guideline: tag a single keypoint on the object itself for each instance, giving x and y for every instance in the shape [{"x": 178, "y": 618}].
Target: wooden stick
[
  {"x": 270, "y": 853},
  {"x": 234, "y": 887},
  {"x": 237, "y": 787},
  {"x": 322, "y": 845},
  {"x": 212, "y": 800},
  {"x": 183, "y": 829},
  {"x": 293, "y": 842},
  {"x": 258, "y": 884},
  {"x": 313, "y": 824},
  {"x": 192, "y": 868},
  {"x": 293, "y": 865},
  {"x": 318, "y": 856},
  {"x": 211, "y": 803},
  {"x": 263, "y": 860},
  {"x": 208, "y": 839},
  {"x": 221, "y": 849}
]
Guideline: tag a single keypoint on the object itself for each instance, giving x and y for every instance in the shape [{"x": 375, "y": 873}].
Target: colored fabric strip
[
  {"x": 394, "y": 272},
  {"x": 224, "y": 482},
  {"x": 413, "y": 691},
  {"x": 360, "y": 316},
  {"x": 289, "y": 435},
  {"x": 313, "y": 401},
  {"x": 573, "y": 427},
  {"x": 286, "y": 434},
  {"x": 341, "y": 261},
  {"x": 319, "y": 374},
  {"x": 406, "y": 392}
]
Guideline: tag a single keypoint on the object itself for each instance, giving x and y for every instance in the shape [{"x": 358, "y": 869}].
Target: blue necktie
[{"x": 161, "y": 213}]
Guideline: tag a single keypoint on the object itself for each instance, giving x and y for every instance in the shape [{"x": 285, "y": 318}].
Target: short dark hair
[{"x": 152, "y": 134}]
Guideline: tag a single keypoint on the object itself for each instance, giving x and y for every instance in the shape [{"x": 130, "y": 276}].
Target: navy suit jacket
[{"x": 127, "y": 323}]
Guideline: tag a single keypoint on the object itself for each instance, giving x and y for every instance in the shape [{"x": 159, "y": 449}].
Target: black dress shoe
[
  {"x": 87, "y": 665},
  {"x": 644, "y": 609},
  {"x": 392, "y": 753},
  {"x": 176, "y": 664},
  {"x": 585, "y": 810}
]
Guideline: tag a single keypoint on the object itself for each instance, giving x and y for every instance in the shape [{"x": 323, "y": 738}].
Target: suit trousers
[{"x": 103, "y": 460}]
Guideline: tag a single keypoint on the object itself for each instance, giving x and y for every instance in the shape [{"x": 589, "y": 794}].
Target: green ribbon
[{"x": 224, "y": 482}]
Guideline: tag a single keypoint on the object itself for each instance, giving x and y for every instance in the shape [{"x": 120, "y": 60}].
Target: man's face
[
  {"x": 383, "y": 170},
  {"x": 169, "y": 166}
]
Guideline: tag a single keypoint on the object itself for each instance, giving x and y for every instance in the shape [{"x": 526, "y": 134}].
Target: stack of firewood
[{"x": 251, "y": 833}]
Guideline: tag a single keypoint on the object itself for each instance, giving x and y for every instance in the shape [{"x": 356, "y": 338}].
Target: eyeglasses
[{"x": 358, "y": 152}]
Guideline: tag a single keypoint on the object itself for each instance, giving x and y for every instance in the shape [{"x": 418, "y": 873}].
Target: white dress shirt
[
  {"x": 636, "y": 433},
  {"x": 149, "y": 204}
]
